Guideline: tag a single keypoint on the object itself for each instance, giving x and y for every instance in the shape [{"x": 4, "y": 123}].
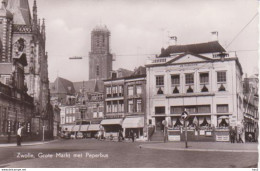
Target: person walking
[
  {"x": 232, "y": 135},
  {"x": 19, "y": 136},
  {"x": 132, "y": 135},
  {"x": 120, "y": 136}
]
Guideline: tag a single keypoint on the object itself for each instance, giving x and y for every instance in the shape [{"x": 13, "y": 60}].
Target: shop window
[
  {"x": 222, "y": 108},
  {"x": 160, "y": 110},
  {"x": 204, "y": 109},
  {"x": 176, "y": 109}
]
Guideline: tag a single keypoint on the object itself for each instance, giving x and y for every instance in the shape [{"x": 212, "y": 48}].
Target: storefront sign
[
  {"x": 222, "y": 137},
  {"x": 174, "y": 138},
  {"x": 202, "y": 132},
  {"x": 208, "y": 133},
  {"x": 233, "y": 121}
]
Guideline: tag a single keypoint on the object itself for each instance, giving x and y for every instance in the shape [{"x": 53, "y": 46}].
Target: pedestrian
[
  {"x": 232, "y": 136},
  {"x": 19, "y": 136},
  {"x": 250, "y": 137},
  {"x": 132, "y": 135},
  {"x": 120, "y": 136},
  {"x": 240, "y": 139}
]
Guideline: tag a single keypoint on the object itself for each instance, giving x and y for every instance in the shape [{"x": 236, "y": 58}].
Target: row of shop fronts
[{"x": 109, "y": 128}]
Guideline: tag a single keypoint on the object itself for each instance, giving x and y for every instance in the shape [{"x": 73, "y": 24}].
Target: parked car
[
  {"x": 79, "y": 135},
  {"x": 65, "y": 135},
  {"x": 72, "y": 136}
]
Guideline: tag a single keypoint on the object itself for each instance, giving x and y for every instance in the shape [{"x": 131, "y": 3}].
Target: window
[
  {"x": 82, "y": 114},
  {"x": 114, "y": 109},
  {"x": 138, "y": 89},
  {"x": 221, "y": 77},
  {"x": 130, "y": 90},
  {"x": 176, "y": 109},
  {"x": 100, "y": 114},
  {"x": 222, "y": 108},
  {"x": 139, "y": 105},
  {"x": 108, "y": 91},
  {"x": 109, "y": 109},
  {"x": 97, "y": 70},
  {"x": 204, "y": 78},
  {"x": 121, "y": 106},
  {"x": 160, "y": 110},
  {"x": 114, "y": 91},
  {"x": 160, "y": 80},
  {"x": 95, "y": 115},
  {"x": 204, "y": 109},
  {"x": 175, "y": 79},
  {"x": 191, "y": 109},
  {"x": 189, "y": 78},
  {"x": 120, "y": 90},
  {"x": 130, "y": 106}
]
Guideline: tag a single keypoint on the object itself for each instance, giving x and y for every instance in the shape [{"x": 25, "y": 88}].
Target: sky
[{"x": 140, "y": 28}]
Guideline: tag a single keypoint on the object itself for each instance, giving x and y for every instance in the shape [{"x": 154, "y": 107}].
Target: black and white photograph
[{"x": 129, "y": 84}]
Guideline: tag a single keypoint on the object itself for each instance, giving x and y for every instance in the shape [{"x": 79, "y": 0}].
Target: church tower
[{"x": 100, "y": 59}]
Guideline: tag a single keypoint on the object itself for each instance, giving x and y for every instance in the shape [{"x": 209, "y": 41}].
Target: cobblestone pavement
[{"x": 100, "y": 154}]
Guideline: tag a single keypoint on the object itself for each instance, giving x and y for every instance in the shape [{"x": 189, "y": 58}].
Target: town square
[{"x": 129, "y": 84}]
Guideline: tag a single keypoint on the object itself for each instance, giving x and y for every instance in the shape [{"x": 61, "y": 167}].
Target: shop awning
[
  {"x": 137, "y": 122},
  {"x": 111, "y": 122},
  {"x": 75, "y": 128},
  {"x": 93, "y": 127},
  {"x": 67, "y": 127},
  {"x": 84, "y": 128}
]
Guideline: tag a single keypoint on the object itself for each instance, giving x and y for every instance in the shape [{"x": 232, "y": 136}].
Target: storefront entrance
[{"x": 158, "y": 123}]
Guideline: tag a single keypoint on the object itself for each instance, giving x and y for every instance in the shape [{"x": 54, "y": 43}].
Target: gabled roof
[
  {"x": 62, "y": 86},
  {"x": 20, "y": 10},
  {"x": 141, "y": 70},
  {"x": 200, "y": 48},
  {"x": 89, "y": 86},
  {"x": 183, "y": 55}
]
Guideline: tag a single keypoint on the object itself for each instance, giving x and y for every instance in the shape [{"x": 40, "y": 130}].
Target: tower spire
[
  {"x": 35, "y": 15},
  {"x": 43, "y": 28}
]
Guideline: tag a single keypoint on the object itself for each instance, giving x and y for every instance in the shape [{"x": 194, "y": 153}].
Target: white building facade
[{"x": 206, "y": 84}]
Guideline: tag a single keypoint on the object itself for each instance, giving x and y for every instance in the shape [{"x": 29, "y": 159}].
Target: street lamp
[{"x": 43, "y": 127}]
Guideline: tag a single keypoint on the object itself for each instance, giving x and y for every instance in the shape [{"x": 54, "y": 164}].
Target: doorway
[{"x": 158, "y": 123}]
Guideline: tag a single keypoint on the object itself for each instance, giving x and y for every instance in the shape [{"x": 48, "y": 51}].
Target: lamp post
[{"x": 43, "y": 127}]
